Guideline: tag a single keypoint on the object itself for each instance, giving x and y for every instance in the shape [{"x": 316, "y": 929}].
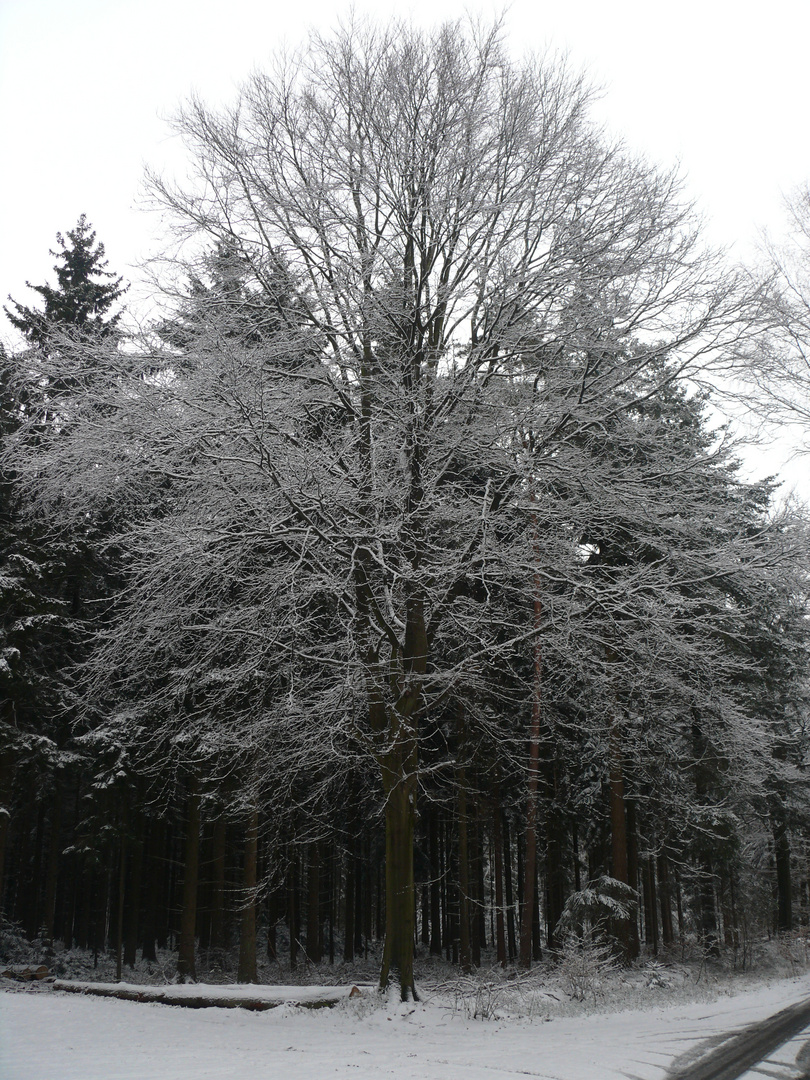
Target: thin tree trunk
[
  {"x": 154, "y": 875},
  {"x": 435, "y": 883},
  {"x": 530, "y": 867},
  {"x": 292, "y": 906},
  {"x": 511, "y": 936},
  {"x": 52, "y": 872},
  {"x": 575, "y": 853},
  {"x": 618, "y": 835},
  {"x": 479, "y": 924},
  {"x": 247, "y": 938},
  {"x": 314, "y": 903},
  {"x": 122, "y": 883},
  {"x": 555, "y": 876},
  {"x": 136, "y": 875},
  {"x": 464, "y": 952},
  {"x": 497, "y": 838},
  {"x": 784, "y": 890},
  {"x": 348, "y": 937},
  {"x": 218, "y": 850},
  {"x": 186, "y": 956},
  {"x": 5, "y": 816},
  {"x": 665, "y": 901},
  {"x": 650, "y": 906},
  {"x": 633, "y": 873}
]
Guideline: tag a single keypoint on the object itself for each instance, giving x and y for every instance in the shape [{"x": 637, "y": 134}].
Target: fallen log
[{"x": 307, "y": 997}]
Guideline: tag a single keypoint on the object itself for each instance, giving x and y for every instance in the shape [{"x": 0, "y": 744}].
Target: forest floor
[
  {"x": 71, "y": 1037},
  {"x": 556, "y": 1023}
]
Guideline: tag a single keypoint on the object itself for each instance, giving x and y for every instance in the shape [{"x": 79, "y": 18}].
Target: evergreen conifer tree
[{"x": 81, "y": 302}]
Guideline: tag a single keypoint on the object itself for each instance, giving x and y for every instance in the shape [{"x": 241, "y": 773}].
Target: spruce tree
[
  {"x": 81, "y": 302},
  {"x": 48, "y": 576}
]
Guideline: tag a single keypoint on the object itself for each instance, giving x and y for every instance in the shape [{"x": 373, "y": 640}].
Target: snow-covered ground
[{"x": 47, "y": 1035}]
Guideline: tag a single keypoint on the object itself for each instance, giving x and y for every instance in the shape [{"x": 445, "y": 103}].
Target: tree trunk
[
  {"x": 511, "y": 936},
  {"x": 665, "y": 900},
  {"x": 464, "y": 951},
  {"x": 530, "y": 864},
  {"x": 122, "y": 888},
  {"x": 399, "y": 887},
  {"x": 618, "y": 836},
  {"x": 479, "y": 923},
  {"x": 52, "y": 871},
  {"x": 154, "y": 876},
  {"x": 435, "y": 883},
  {"x": 5, "y": 816},
  {"x": 314, "y": 903},
  {"x": 348, "y": 936},
  {"x": 555, "y": 877},
  {"x": 247, "y": 937},
  {"x": 186, "y": 955},
  {"x": 218, "y": 941},
  {"x": 136, "y": 875},
  {"x": 633, "y": 873},
  {"x": 708, "y": 910},
  {"x": 500, "y": 922},
  {"x": 292, "y": 906},
  {"x": 784, "y": 891},
  {"x": 650, "y": 906}
]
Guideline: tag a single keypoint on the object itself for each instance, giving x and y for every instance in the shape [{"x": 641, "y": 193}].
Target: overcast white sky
[{"x": 720, "y": 86}]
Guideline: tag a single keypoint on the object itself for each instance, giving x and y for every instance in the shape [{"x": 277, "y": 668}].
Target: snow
[{"x": 47, "y": 1034}]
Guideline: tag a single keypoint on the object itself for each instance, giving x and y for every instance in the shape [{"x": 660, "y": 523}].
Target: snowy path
[{"x": 52, "y": 1036}]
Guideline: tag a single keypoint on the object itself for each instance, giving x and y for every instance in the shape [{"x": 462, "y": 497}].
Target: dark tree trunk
[
  {"x": 362, "y": 901},
  {"x": 435, "y": 883},
  {"x": 31, "y": 912},
  {"x": 399, "y": 885},
  {"x": 52, "y": 871},
  {"x": 650, "y": 906},
  {"x": 218, "y": 939},
  {"x": 497, "y": 843},
  {"x": 464, "y": 951},
  {"x": 479, "y": 926},
  {"x": 537, "y": 942},
  {"x": 530, "y": 867},
  {"x": 511, "y": 936},
  {"x": 618, "y": 837},
  {"x": 121, "y": 895},
  {"x": 292, "y": 906},
  {"x": 186, "y": 956},
  {"x": 633, "y": 873},
  {"x": 665, "y": 901},
  {"x": 330, "y": 901},
  {"x": 136, "y": 882},
  {"x": 154, "y": 877},
  {"x": 708, "y": 911},
  {"x": 348, "y": 937},
  {"x": 784, "y": 890},
  {"x": 314, "y": 903},
  {"x": 555, "y": 881},
  {"x": 5, "y": 817},
  {"x": 247, "y": 937}
]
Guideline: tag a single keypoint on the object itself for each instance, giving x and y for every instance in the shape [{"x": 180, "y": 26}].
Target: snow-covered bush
[{"x": 584, "y": 966}]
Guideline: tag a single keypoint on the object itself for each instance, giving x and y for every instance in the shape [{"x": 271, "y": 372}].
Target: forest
[{"x": 396, "y": 590}]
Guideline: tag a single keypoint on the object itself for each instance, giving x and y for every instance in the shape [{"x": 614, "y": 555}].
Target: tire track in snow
[{"x": 742, "y": 1051}]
